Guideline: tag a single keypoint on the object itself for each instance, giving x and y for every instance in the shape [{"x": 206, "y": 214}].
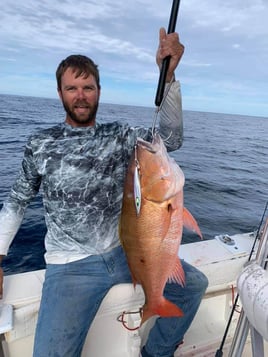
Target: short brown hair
[{"x": 81, "y": 65}]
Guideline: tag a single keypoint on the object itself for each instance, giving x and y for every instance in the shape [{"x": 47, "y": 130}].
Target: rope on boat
[
  {"x": 236, "y": 306},
  {"x": 121, "y": 318}
]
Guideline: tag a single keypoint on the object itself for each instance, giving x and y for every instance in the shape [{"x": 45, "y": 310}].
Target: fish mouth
[{"x": 150, "y": 146}]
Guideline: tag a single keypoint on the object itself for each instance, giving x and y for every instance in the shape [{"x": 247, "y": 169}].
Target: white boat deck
[{"x": 222, "y": 264}]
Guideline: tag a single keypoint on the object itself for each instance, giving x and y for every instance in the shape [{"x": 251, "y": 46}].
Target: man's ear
[{"x": 59, "y": 93}]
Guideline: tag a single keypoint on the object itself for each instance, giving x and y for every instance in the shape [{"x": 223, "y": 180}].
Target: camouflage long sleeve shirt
[{"x": 81, "y": 172}]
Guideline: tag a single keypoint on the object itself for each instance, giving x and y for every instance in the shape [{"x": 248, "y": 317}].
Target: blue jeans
[{"x": 73, "y": 292}]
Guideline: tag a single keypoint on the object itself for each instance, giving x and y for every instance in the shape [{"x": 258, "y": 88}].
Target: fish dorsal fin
[{"x": 190, "y": 223}]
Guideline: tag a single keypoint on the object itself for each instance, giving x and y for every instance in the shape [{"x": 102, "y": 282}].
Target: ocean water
[{"x": 224, "y": 159}]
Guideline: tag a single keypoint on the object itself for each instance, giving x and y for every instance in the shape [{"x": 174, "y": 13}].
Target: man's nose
[{"x": 80, "y": 93}]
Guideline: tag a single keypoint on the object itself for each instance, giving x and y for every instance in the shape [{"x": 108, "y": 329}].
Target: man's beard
[{"x": 79, "y": 119}]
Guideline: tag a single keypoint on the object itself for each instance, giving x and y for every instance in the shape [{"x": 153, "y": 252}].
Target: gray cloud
[{"x": 226, "y": 45}]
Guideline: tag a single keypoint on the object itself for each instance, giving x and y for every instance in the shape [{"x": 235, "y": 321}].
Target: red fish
[{"x": 151, "y": 224}]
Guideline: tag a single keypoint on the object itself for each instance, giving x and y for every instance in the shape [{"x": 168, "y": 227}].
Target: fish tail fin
[
  {"x": 164, "y": 308},
  {"x": 190, "y": 223},
  {"x": 177, "y": 275}
]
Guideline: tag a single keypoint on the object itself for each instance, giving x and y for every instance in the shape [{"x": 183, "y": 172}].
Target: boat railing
[{"x": 252, "y": 286}]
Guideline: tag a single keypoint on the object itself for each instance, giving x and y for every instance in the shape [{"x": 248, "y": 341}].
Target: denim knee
[{"x": 195, "y": 280}]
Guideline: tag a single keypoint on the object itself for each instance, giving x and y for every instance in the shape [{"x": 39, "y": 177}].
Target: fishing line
[{"x": 219, "y": 352}]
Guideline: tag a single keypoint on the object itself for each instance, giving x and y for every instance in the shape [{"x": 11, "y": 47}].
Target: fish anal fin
[
  {"x": 190, "y": 223},
  {"x": 134, "y": 282},
  {"x": 177, "y": 275},
  {"x": 164, "y": 308},
  {"x": 133, "y": 278}
]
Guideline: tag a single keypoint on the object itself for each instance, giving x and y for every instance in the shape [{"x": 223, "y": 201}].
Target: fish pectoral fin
[
  {"x": 177, "y": 275},
  {"x": 190, "y": 223}
]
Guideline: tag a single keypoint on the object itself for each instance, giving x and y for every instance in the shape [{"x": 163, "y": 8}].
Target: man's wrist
[{"x": 170, "y": 79}]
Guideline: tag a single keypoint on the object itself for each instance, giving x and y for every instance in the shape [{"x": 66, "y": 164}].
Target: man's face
[{"x": 80, "y": 98}]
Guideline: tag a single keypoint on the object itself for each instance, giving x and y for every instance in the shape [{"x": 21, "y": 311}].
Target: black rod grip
[{"x": 165, "y": 64}]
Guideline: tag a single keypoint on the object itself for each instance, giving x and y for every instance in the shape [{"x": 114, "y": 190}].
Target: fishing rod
[
  {"x": 219, "y": 352},
  {"x": 166, "y": 60}
]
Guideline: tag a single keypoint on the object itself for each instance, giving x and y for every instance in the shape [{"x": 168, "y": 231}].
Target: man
[{"x": 81, "y": 165}]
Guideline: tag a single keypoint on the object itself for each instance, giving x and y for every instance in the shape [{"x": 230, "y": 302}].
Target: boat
[{"x": 115, "y": 331}]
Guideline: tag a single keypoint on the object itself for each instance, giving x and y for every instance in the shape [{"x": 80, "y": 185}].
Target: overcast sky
[{"x": 224, "y": 67}]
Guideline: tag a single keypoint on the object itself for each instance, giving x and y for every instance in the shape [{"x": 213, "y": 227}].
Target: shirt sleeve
[
  {"x": 171, "y": 121},
  {"x": 23, "y": 191}
]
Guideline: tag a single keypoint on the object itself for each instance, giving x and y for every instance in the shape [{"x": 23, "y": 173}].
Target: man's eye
[{"x": 89, "y": 88}]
